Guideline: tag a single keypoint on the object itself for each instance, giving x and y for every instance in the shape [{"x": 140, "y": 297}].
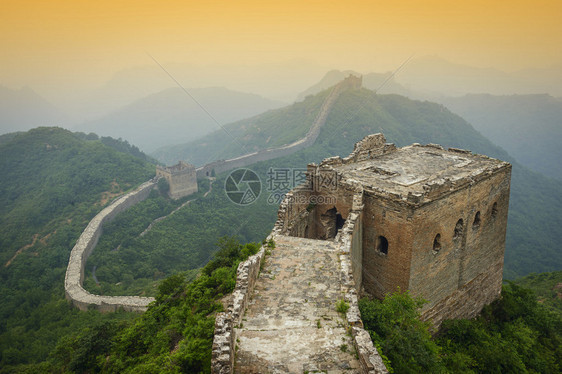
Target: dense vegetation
[
  {"x": 515, "y": 334},
  {"x": 535, "y": 225},
  {"x": 175, "y": 335},
  {"x": 53, "y": 183},
  {"x": 547, "y": 287},
  {"x": 270, "y": 129},
  {"x": 118, "y": 144},
  {"x": 34, "y": 314},
  {"x": 128, "y": 263}
]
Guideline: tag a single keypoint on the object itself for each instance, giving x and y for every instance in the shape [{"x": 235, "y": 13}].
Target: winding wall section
[
  {"x": 86, "y": 243},
  {"x": 74, "y": 278},
  {"x": 220, "y": 166}
]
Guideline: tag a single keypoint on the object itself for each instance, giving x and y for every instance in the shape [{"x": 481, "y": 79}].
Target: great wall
[
  {"x": 86, "y": 243},
  {"x": 423, "y": 218},
  {"x": 182, "y": 181},
  {"x": 283, "y": 318},
  {"x": 221, "y": 166}
]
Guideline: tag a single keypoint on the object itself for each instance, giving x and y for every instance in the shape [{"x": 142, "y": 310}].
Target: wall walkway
[
  {"x": 291, "y": 324},
  {"x": 90, "y": 236},
  {"x": 272, "y": 153},
  {"x": 86, "y": 243}
]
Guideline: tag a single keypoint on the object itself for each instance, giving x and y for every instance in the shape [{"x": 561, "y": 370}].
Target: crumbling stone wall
[
  {"x": 86, "y": 243},
  {"x": 350, "y": 249},
  {"x": 291, "y": 216},
  {"x": 223, "y": 349},
  {"x": 465, "y": 272},
  {"x": 433, "y": 221}
]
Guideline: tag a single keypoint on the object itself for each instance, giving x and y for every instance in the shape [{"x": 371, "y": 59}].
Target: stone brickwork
[
  {"x": 223, "y": 350},
  {"x": 291, "y": 323},
  {"x": 182, "y": 179},
  {"x": 350, "y": 247},
  {"x": 86, "y": 243},
  {"x": 433, "y": 221}
]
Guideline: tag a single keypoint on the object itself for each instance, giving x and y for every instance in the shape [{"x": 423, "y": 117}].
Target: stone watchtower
[
  {"x": 425, "y": 218},
  {"x": 182, "y": 179}
]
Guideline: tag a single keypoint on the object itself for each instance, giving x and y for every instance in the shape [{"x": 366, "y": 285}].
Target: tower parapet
[{"x": 352, "y": 82}]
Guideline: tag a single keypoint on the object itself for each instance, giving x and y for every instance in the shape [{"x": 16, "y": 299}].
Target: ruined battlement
[
  {"x": 352, "y": 82},
  {"x": 432, "y": 221},
  {"x": 181, "y": 178},
  {"x": 414, "y": 174}
]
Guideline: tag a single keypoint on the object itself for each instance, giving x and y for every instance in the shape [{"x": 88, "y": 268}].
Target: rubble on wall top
[{"x": 414, "y": 173}]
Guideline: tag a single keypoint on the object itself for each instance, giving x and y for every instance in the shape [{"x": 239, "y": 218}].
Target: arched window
[
  {"x": 476, "y": 222},
  {"x": 437, "y": 243},
  {"x": 495, "y": 210},
  {"x": 459, "y": 228},
  {"x": 382, "y": 245}
]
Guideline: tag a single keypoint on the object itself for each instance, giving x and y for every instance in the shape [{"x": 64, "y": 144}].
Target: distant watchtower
[
  {"x": 422, "y": 218},
  {"x": 182, "y": 179},
  {"x": 352, "y": 82}
]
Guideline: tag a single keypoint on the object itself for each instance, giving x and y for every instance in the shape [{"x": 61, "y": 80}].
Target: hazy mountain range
[
  {"x": 533, "y": 233},
  {"x": 529, "y": 127},
  {"x": 431, "y": 77},
  {"x": 24, "y": 109},
  {"x": 143, "y": 106},
  {"x": 173, "y": 116},
  {"x": 435, "y": 76},
  {"x": 280, "y": 82}
]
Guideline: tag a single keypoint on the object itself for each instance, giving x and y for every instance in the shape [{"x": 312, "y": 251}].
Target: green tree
[{"x": 405, "y": 340}]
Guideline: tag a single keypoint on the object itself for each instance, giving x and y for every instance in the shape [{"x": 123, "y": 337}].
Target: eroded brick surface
[{"x": 291, "y": 324}]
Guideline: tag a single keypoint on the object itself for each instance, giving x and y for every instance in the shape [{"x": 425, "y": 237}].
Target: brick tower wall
[{"x": 464, "y": 272}]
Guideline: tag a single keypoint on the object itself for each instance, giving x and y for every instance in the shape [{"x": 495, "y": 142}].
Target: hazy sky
[{"x": 64, "y": 43}]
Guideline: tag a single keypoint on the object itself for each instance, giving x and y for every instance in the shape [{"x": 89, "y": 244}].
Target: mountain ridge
[
  {"x": 171, "y": 116},
  {"x": 529, "y": 127},
  {"x": 404, "y": 121},
  {"x": 24, "y": 109}
]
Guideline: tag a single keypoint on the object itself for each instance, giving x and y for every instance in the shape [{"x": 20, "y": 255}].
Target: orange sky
[{"x": 64, "y": 42}]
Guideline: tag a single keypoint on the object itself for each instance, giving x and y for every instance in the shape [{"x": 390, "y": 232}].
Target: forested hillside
[
  {"x": 547, "y": 287},
  {"x": 270, "y": 129},
  {"x": 53, "y": 182},
  {"x": 534, "y": 228},
  {"x": 128, "y": 262},
  {"x": 82, "y": 173},
  {"x": 514, "y": 334}
]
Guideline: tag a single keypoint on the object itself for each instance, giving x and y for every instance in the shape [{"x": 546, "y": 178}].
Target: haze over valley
[{"x": 96, "y": 97}]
